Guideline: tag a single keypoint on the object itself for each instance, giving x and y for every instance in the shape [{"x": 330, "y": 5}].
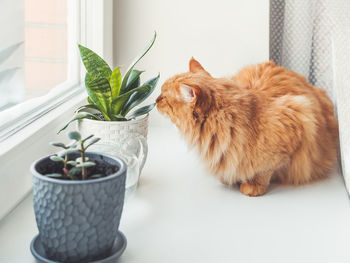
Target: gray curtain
[{"x": 312, "y": 37}]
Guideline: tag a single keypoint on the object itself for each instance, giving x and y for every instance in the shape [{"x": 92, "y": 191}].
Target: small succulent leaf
[
  {"x": 56, "y": 158},
  {"x": 79, "y": 160},
  {"x": 93, "y": 141},
  {"x": 134, "y": 79},
  {"x": 115, "y": 81},
  {"x": 141, "y": 111},
  {"x": 66, "y": 152},
  {"x": 72, "y": 145},
  {"x": 54, "y": 175},
  {"x": 137, "y": 59},
  {"x": 74, "y": 135},
  {"x": 73, "y": 163},
  {"x": 90, "y": 100},
  {"x": 59, "y": 144},
  {"x": 75, "y": 170},
  {"x": 86, "y": 107},
  {"x": 79, "y": 116},
  {"x": 7, "y": 52},
  {"x": 118, "y": 103},
  {"x": 86, "y": 164},
  {"x": 139, "y": 96},
  {"x": 87, "y": 138},
  {"x": 94, "y": 64},
  {"x": 96, "y": 176},
  {"x": 100, "y": 93}
]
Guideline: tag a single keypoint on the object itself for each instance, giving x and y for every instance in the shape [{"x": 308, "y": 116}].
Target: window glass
[{"x": 33, "y": 48}]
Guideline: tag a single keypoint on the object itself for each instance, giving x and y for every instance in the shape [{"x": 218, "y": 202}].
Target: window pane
[{"x": 33, "y": 48}]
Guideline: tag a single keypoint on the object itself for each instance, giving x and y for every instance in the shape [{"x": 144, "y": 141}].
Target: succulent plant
[
  {"x": 111, "y": 96},
  {"x": 74, "y": 169}
]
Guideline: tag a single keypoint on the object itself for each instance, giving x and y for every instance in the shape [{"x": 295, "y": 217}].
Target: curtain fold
[{"x": 312, "y": 37}]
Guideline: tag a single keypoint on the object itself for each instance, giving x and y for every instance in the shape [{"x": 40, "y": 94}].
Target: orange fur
[{"x": 265, "y": 122}]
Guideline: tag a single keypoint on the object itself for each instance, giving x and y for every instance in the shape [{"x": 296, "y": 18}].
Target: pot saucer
[{"x": 119, "y": 246}]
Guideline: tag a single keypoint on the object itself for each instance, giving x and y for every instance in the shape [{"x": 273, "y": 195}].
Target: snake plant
[{"x": 111, "y": 97}]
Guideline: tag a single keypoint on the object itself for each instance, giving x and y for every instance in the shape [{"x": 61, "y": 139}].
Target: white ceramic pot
[{"x": 130, "y": 135}]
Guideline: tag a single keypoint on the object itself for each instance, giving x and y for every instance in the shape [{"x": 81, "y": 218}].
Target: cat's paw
[{"x": 252, "y": 189}]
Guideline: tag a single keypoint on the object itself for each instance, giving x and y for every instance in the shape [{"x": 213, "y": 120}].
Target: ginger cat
[{"x": 264, "y": 123}]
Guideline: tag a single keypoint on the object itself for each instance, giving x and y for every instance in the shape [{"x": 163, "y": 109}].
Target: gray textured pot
[{"x": 78, "y": 221}]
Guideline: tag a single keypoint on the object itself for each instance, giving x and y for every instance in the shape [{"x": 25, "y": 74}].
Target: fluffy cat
[{"x": 264, "y": 123}]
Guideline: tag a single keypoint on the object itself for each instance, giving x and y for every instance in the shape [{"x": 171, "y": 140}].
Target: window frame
[{"x": 28, "y": 141}]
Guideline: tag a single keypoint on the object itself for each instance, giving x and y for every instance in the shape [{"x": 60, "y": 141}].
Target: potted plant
[
  {"x": 78, "y": 200},
  {"x": 112, "y": 98}
]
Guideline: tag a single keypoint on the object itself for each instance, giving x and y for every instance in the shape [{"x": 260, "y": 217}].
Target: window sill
[
  {"x": 18, "y": 151},
  {"x": 181, "y": 213}
]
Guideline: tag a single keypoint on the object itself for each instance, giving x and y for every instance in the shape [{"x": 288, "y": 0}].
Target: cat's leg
[{"x": 258, "y": 185}]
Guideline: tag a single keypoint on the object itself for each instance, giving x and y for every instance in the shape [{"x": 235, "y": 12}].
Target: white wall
[{"x": 224, "y": 35}]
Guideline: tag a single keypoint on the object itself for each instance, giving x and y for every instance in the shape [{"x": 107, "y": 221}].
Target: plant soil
[{"x": 102, "y": 167}]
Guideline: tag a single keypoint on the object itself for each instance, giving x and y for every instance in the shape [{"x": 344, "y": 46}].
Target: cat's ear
[
  {"x": 189, "y": 93},
  {"x": 196, "y": 67}
]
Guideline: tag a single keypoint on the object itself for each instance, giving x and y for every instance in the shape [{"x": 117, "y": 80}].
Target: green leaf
[
  {"x": 137, "y": 59},
  {"x": 75, "y": 170},
  {"x": 100, "y": 93},
  {"x": 141, "y": 111},
  {"x": 54, "y": 175},
  {"x": 79, "y": 116},
  {"x": 80, "y": 160},
  {"x": 94, "y": 64},
  {"x": 59, "y": 144},
  {"x": 88, "y": 106},
  {"x": 139, "y": 96},
  {"x": 93, "y": 141},
  {"x": 118, "y": 103},
  {"x": 86, "y": 164},
  {"x": 74, "y": 135},
  {"x": 56, "y": 158},
  {"x": 87, "y": 138},
  {"x": 96, "y": 176},
  {"x": 120, "y": 118},
  {"x": 115, "y": 81},
  {"x": 72, "y": 144},
  {"x": 73, "y": 163},
  {"x": 66, "y": 152},
  {"x": 134, "y": 80},
  {"x": 90, "y": 100}
]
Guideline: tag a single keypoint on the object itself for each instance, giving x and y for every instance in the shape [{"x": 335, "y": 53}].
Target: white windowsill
[
  {"x": 18, "y": 151},
  {"x": 182, "y": 214}
]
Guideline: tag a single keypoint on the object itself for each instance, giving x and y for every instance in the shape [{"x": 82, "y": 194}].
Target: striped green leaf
[
  {"x": 100, "y": 93},
  {"x": 118, "y": 103},
  {"x": 79, "y": 116},
  {"x": 141, "y": 111},
  {"x": 123, "y": 88},
  {"x": 94, "y": 64},
  {"x": 139, "y": 96},
  {"x": 88, "y": 106},
  {"x": 134, "y": 79},
  {"x": 115, "y": 81}
]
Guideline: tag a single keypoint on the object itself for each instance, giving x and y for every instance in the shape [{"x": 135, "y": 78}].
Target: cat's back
[
  {"x": 272, "y": 80},
  {"x": 304, "y": 114}
]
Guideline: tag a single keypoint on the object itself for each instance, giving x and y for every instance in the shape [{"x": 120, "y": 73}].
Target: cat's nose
[{"x": 160, "y": 97}]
